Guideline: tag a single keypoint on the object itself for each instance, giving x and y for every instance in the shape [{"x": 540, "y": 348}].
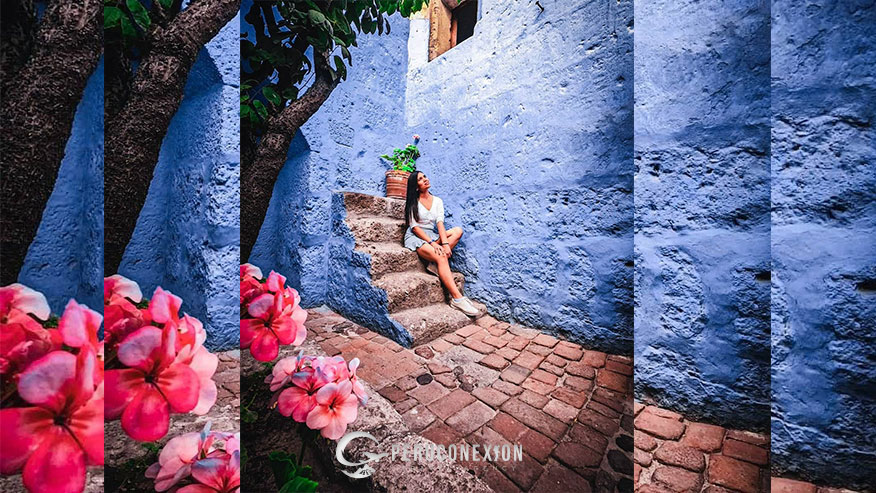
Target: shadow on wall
[
  {"x": 65, "y": 259},
  {"x": 529, "y": 143},
  {"x": 187, "y": 236}
]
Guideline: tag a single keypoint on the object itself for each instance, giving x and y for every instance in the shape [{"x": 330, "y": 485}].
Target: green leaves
[
  {"x": 139, "y": 13},
  {"x": 112, "y": 16},
  {"x": 272, "y": 95},
  {"x": 404, "y": 159},
  {"x": 277, "y": 50},
  {"x": 289, "y": 477}
]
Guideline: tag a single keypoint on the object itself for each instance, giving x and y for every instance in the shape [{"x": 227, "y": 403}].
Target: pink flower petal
[
  {"x": 334, "y": 429},
  {"x": 275, "y": 282},
  {"x": 295, "y": 402},
  {"x": 210, "y": 472},
  {"x": 347, "y": 408},
  {"x": 261, "y": 306},
  {"x": 79, "y": 325},
  {"x": 121, "y": 386},
  {"x": 319, "y": 417},
  {"x": 141, "y": 349},
  {"x": 204, "y": 363},
  {"x": 22, "y": 430},
  {"x": 249, "y": 328},
  {"x": 250, "y": 270},
  {"x": 265, "y": 347},
  {"x": 164, "y": 306},
  {"x": 180, "y": 386},
  {"x": 29, "y": 301},
  {"x": 48, "y": 381},
  {"x": 86, "y": 424},
  {"x": 147, "y": 417},
  {"x": 207, "y": 397},
  {"x": 285, "y": 330},
  {"x": 57, "y": 466},
  {"x": 122, "y": 286}
]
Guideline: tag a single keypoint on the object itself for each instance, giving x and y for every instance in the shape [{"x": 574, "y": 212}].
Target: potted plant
[{"x": 404, "y": 162}]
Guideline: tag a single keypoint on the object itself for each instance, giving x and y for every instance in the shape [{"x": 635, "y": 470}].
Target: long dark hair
[{"x": 411, "y": 198}]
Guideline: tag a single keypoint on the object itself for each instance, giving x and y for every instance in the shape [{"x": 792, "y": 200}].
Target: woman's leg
[
  {"x": 453, "y": 236},
  {"x": 428, "y": 253}
]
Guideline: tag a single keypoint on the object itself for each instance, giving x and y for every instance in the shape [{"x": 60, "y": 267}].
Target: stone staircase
[{"x": 416, "y": 299}]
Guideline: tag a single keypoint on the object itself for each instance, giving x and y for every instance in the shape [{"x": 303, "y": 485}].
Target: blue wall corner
[{"x": 65, "y": 260}]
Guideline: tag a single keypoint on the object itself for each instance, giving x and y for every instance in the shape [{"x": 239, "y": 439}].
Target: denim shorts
[{"x": 413, "y": 241}]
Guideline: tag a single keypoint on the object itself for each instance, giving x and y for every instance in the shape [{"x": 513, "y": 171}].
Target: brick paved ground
[
  {"x": 674, "y": 454},
  {"x": 495, "y": 383}
]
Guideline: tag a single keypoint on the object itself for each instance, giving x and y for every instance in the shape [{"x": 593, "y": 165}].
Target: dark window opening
[
  {"x": 450, "y": 22},
  {"x": 464, "y": 19}
]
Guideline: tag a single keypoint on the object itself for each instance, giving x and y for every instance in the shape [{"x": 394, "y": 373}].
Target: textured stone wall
[
  {"x": 187, "y": 236},
  {"x": 65, "y": 259},
  {"x": 527, "y": 136},
  {"x": 824, "y": 225},
  {"x": 702, "y": 198}
]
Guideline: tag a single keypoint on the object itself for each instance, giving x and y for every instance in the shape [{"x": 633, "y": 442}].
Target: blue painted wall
[
  {"x": 702, "y": 202},
  {"x": 526, "y": 136},
  {"x": 187, "y": 236},
  {"x": 65, "y": 259},
  {"x": 824, "y": 225}
]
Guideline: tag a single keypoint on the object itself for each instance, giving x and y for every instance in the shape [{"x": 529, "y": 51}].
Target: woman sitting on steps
[{"x": 425, "y": 234}]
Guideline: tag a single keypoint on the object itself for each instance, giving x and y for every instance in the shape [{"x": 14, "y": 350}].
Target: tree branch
[
  {"x": 134, "y": 136},
  {"x": 259, "y": 174},
  {"x": 37, "y": 117}
]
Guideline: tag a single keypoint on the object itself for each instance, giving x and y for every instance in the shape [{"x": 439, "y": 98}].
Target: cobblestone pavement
[
  {"x": 674, "y": 454},
  {"x": 496, "y": 383}
]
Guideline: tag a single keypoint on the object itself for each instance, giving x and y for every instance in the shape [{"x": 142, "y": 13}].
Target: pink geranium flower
[
  {"x": 336, "y": 407},
  {"x": 54, "y": 441},
  {"x": 176, "y": 458},
  {"x": 274, "y": 322},
  {"x": 153, "y": 386},
  {"x": 220, "y": 474},
  {"x": 23, "y": 339},
  {"x": 299, "y": 399},
  {"x": 121, "y": 316}
]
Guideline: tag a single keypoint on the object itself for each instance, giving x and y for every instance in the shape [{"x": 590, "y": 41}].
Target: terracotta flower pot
[{"x": 397, "y": 183}]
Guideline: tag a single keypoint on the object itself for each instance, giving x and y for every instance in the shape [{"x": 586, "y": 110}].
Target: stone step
[
  {"x": 412, "y": 289},
  {"x": 390, "y": 257},
  {"x": 370, "y": 205},
  {"x": 376, "y": 229},
  {"x": 430, "y": 322}
]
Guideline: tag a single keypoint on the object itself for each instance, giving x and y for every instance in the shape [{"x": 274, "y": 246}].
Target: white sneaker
[
  {"x": 432, "y": 268},
  {"x": 465, "y": 306}
]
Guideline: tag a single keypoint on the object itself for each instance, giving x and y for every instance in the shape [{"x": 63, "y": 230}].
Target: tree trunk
[
  {"x": 37, "y": 117},
  {"x": 259, "y": 176},
  {"x": 134, "y": 136}
]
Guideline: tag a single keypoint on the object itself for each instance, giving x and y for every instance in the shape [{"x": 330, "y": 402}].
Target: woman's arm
[{"x": 418, "y": 231}]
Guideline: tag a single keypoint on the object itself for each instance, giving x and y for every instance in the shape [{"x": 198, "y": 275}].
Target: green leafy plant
[
  {"x": 404, "y": 159},
  {"x": 278, "y": 53},
  {"x": 289, "y": 475}
]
